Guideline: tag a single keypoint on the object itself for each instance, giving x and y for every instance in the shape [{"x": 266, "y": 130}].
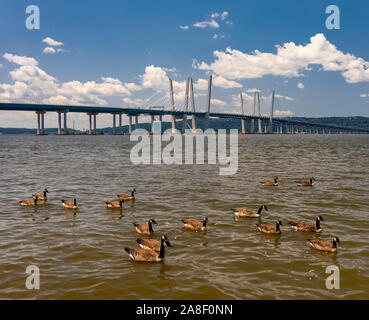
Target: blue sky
[{"x": 120, "y": 53}]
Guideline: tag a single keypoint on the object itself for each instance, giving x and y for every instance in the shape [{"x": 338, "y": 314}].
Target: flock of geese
[{"x": 153, "y": 250}]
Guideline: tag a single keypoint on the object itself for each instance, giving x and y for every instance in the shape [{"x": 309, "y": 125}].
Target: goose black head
[
  {"x": 164, "y": 238},
  {"x": 320, "y": 218},
  {"x": 152, "y": 221},
  {"x": 75, "y": 201},
  {"x": 276, "y": 179},
  {"x": 279, "y": 222},
  {"x": 45, "y": 190},
  {"x": 336, "y": 239},
  {"x": 265, "y": 207},
  {"x": 206, "y": 219}
]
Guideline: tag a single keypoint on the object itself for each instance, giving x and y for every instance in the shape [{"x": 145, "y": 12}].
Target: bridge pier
[
  {"x": 120, "y": 122},
  {"x": 152, "y": 123},
  {"x": 94, "y": 128},
  {"x": 59, "y": 122},
  {"x": 43, "y": 122},
  {"x": 38, "y": 130},
  {"x": 130, "y": 124},
  {"x": 114, "y": 124},
  {"x": 65, "y": 123},
  {"x": 194, "y": 124},
  {"x": 90, "y": 123},
  {"x": 136, "y": 122}
]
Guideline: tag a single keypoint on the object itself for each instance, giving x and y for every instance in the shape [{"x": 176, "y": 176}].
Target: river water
[{"x": 81, "y": 256}]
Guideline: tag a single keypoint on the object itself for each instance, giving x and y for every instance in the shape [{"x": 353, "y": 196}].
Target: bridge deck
[{"x": 137, "y": 111}]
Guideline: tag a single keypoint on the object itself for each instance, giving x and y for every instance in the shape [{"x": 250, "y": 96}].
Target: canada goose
[
  {"x": 26, "y": 203},
  {"x": 144, "y": 228},
  {"x": 271, "y": 183},
  {"x": 41, "y": 196},
  {"x": 324, "y": 245},
  {"x": 147, "y": 255},
  {"x": 127, "y": 196},
  {"x": 195, "y": 224},
  {"x": 153, "y": 244},
  {"x": 115, "y": 204},
  {"x": 69, "y": 204},
  {"x": 267, "y": 228},
  {"x": 307, "y": 227},
  {"x": 309, "y": 183},
  {"x": 244, "y": 212}
]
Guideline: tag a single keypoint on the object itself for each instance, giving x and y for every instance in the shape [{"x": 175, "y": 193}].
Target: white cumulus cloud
[
  {"x": 290, "y": 60},
  {"x": 52, "y": 42}
]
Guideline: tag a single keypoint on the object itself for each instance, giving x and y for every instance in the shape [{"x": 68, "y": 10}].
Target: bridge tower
[
  {"x": 208, "y": 102},
  {"x": 172, "y": 103},
  {"x": 260, "y": 129},
  {"x": 185, "y": 107},
  {"x": 271, "y": 114},
  {"x": 252, "y": 125},
  {"x": 193, "y": 106},
  {"x": 243, "y": 129}
]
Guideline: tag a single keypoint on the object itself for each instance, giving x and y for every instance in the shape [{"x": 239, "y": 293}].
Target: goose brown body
[
  {"x": 26, "y": 203},
  {"x": 195, "y": 224},
  {"x": 69, "y": 204},
  {"x": 115, "y": 204},
  {"x": 41, "y": 196},
  {"x": 148, "y": 255},
  {"x": 152, "y": 244},
  {"x": 306, "y": 226},
  {"x": 143, "y": 255},
  {"x": 324, "y": 245},
  {"x": 245, "y": 212},
  {"x": 127, "y": 196},
  {"x": 271, "y": 183},
  {"x": 145, "y": 228},
  {"x": 309, "y": 183},
  {"x": 270, "y": 229}
]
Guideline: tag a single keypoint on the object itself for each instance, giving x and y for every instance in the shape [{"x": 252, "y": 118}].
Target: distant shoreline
[{"x": 359, "y": 122}]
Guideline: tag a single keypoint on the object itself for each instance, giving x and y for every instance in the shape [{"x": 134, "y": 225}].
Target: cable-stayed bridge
[{"x": 257, "y": 123}]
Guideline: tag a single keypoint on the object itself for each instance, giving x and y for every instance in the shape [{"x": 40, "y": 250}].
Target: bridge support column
[
  {"x": 38, "y": 130},
  {"x": 130, "y": 124},
  {"x": 266, "y": 128},
  {"x": 94, "y": 129},
  {"x": 152, "y": 123},
  {"x": 193, "y": 123},
  {"x": 120, "y": 122},
  {"x": 114, "y": 124},
  {"x": 90, "y": 123},
  {"x": 43, "y": 122},
  {"x": 59, "y": 122},
  {"x": 136, "y": 122},
  {"x": 161, "y": 124},
  {"x": 65, "y": 123}
]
